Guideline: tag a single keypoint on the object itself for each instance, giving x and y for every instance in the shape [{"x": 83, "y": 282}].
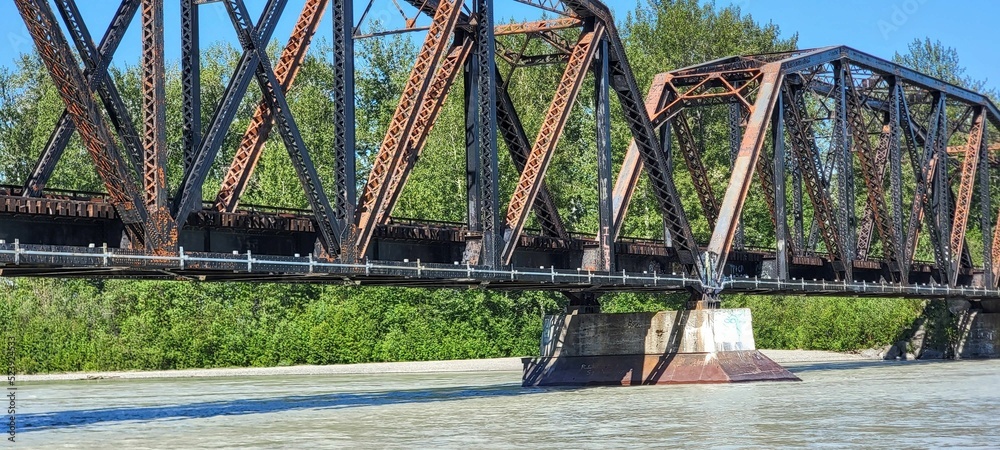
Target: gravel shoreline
[{"x": 472, "y": 365}]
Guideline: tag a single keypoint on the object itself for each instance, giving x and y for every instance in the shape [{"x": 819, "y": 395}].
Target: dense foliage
[{"x": 114, "y": 325}]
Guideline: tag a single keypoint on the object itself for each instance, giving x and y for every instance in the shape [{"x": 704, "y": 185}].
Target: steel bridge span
[{"x": 812, "y": 133}]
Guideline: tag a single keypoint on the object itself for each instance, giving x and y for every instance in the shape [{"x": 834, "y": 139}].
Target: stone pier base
[
  {"x": 980, "y": 335},
  {"x": 699, "y": 346}
]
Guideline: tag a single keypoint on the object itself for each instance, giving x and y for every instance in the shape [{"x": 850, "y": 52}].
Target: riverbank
[{"x": 467, "y": 365}]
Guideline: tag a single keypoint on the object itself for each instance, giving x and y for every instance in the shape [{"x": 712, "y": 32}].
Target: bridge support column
[{"x": 666, "y": 347}]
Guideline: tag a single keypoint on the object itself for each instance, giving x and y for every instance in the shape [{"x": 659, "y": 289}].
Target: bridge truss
[{"x": 862, "y": 165}]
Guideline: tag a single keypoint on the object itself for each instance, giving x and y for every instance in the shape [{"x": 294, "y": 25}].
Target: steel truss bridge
[{"x": 820, "y": 130}]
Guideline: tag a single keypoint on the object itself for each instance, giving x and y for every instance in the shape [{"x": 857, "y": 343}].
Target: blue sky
[
  {"x": 884, "y": 27},
  {"x": 879, "y": 27}
]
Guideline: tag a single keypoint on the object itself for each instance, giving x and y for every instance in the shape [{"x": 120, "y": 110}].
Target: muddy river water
[{"x": 847, "y": 404}]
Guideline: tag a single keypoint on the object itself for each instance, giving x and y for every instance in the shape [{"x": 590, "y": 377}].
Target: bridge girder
[{"x": 868, "y": 109}]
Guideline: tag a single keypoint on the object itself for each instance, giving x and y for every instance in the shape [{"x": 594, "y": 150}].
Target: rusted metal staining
[
  {"x": 743, "y": 168},
  {"x": 429, "y": 110},
  {"x": 248, "y": 154},
  {"x": 72, "y": 85},
  {"x": 555, "y": 119},
  {"x": 757, "y": 84},
  {"x": 561, "y": 23},
  {"x": 393, "y": 149},
  {"x": 161, "y": 234},
  {"x": 96, "y": 64},
  {"x": 963, "y": 202},
  {"x": 512, "y": 132}
]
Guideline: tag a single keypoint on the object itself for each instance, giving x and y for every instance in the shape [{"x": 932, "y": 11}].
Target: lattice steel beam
[
  {"x": 188, "y": 197},
  {"x": 925, "y": 173},
  {"x": 555, "y": 119},
  {"x": 393, "y": 149},
  {"x": 234, "y": 184},
  {"x": 963, "y": 202},
  {"x": 512, "y": 131},
  {"x": 345, "y": 154},
  {"x": 808, "y": 161},
  {"x": 845, "y": 166},
  {"x": 190, "y": 80},
  {"x": 631, "y": 169},
  {"x": 161, "y": 234},
  {"x": 428, "y": 113},
  {"x": 96, "y": 63},
  {"x": 873, "y": 166},
  {"x": 273, "y": 94},
  {"x": 83, "y": 111},
  {"x": 696, "y": 167},
  {"x": 537, "y": 26}
]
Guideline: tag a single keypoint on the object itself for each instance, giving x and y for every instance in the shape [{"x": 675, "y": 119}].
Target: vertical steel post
[
  {"x": 489, "y": 182},
  {"x": 941, "y": 196},
  {"x": 845, "y": 167},
  {"x": 160, "y": 235},
  {"x": 735, "y": 136},
  {"x": 345, "y": 168},
  {"x": 986, "y": 209},
  {"x": 602, "y": 94},
  {"x": 472, "y": 129},
  {"x": 781, "y": 221},
  {"x": 896, "y": 175},
  {"x": 190, "y": 80},
  {"x": 666, "y": 143}
]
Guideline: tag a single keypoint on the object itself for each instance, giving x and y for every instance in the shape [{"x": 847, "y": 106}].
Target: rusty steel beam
[
  {"x": 724, "y": 231},
  {"x": 696, "y": 167},
  {"x": 881, "y": 164},
  {"x": 873, "y": 168},
  {"x": 161, "y": 234},
  {"x": 234, "y": 184},
  {"x": 735, "y": 116},
  {"x": 537, "y": 26},
  {"x": 961, "y": 150},
  {"x": 963, "y": 202},
  {"x": 393, "y": 148},
  {"x": 551, "y": 130},
  {"x": 96, "y": 61},
  {"x": 444, "y": 77},
  {"x": 512, "y": 131},
  {"x": 329, "y": 230},
  {"x": 72, "y": 84}
]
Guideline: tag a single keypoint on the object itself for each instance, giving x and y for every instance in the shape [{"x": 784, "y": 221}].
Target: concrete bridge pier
[{"x": 666, "y": 347}]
